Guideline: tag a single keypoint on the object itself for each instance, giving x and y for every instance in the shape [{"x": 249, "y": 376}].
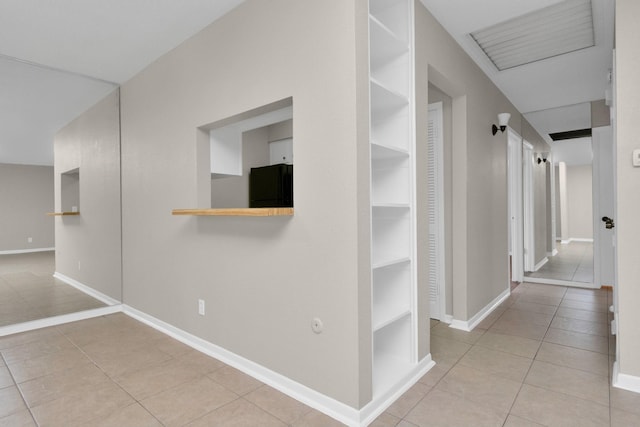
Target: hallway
[{"x": 543, "y": 358}]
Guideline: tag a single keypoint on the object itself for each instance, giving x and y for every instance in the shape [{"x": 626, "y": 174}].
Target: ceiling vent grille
[{"x": 555, "y": 30}]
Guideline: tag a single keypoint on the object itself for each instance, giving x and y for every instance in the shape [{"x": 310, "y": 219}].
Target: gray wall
[
  {"x": 579, "y": 201},
  {"x": 26, "y": 195},
  {"x": 88, "y": 245},
  {"x": 628, "y": 182},
  {"x": 263, "y": 279}
]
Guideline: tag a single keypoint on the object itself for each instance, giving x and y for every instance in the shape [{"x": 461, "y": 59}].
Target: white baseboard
[
  {"x": 552, "y": 253},
  {"x": 58, "y": 320},
  {"x": 329, "y": 406},
  {"x": 468, "y": 325},
  {"x": 86, "y": 289},
  {"x": 625, "y": 381},
  {"x": 561, "y": 282},
  {"x": 26, "y": 251},
  {"x": 539, "y": 265},
  {"x": 577, "y": 239},
  {"x": 447, "y": 318}
]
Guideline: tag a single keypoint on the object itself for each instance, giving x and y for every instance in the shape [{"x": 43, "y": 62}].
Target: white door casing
[{"x": 528, "y": 216}]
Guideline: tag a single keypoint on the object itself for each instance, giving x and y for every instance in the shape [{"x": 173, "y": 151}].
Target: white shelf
[
  {"x": 393, "y": 15},
  {"x": 391, "y": 292},
  {"x": 387, "y": 370},
  {"x": 381, "y": 206},
  {"x": 387, "y": 44},
  {"x": 384, "y": 99},
  {"x": 381, "y": 152},
  {"x": 390, "y": 181},
  {"x": 390, "y": 263}
]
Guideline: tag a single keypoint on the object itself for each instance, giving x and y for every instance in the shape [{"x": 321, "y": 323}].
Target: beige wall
[
  {"x": 628, "y": 183},
  {"x": 26, "y": 195},
  {"x": 88, "y": 245},
  {"x": 263, "y": 279},
  {"x": 579, "y": 201},
  {"x": 479, "y": 166}
]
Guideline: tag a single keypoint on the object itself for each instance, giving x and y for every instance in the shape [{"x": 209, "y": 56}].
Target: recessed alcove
[
  {"x": 69, "y": 193},
  {"x": 250, "y": 162}
]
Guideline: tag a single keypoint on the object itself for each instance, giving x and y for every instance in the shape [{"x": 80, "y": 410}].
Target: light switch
[{"x": 636, "y": 158}]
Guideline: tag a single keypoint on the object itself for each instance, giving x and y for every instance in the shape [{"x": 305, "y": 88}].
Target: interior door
[
  {"x": 604, "y": 244},
  {"x": 435, "y": 211}
]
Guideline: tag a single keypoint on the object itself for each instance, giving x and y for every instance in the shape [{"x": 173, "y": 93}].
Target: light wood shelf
[
  {"x": 235, "y": 212},
  {"x": 62, "y": 213}
]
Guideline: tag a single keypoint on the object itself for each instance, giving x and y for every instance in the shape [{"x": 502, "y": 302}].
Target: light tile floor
[
  {"x": 574, "y": 263},
  {"x": 28, "y": 290},
  {"x": 542, "y": 358}
]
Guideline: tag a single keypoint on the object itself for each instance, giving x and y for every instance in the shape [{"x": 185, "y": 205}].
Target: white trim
[
  {"x": 565, "y": 242},
  {"x": 561, "y": 282},
  {"x": 323, "y": 403},
  {"x": 58, "y": 320},
  {"x": 379, "y": 404},
  {"x": 468, "y": 325},
  {"x": 553, "y": 253},
  {"x": 625, "y": 381},
  {"x": 580, "y": 239},
  {"x": 447, "y": 318},
  {"x": 539, "y": 265},
  {"x": 86, "y": 289},
  {"x": 26, "y": 251}
]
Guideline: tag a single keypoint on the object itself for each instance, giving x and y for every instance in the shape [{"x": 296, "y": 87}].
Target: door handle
[{"x": 608, "y": 222}]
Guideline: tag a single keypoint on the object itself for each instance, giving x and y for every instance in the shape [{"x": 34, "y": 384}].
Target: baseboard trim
[
  {"x": 577, "y": 239},
  {"x": 625, "y": 381},
  {"x": 325, "y": 404},
  {"x": 58, "y": 320},
  {"x": 552, "y": 253},
  {"x": 539, "y": 265},
  {"x": 86, "y": 289},
  {"x": 560, "y": 282},
  {"x": 26, "y": 251},
  {"x": 469, "y": 325}
]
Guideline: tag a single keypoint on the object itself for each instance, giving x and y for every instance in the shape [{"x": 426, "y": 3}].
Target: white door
[
  {"x": 527, "y": 193},
  {"x": 435, "y": 211},
  {"x": 516, "y": 237},
  {"x": 603, "y": 172}
]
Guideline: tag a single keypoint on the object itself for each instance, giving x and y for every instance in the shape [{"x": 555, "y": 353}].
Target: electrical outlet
[
  {"x": 201, "y": 307},
  {"x": 78, "y": 265},
  {"x": 29, "y": 239}
]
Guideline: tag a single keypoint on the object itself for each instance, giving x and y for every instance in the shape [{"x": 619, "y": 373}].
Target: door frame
[{"x": 529, "y": 243}]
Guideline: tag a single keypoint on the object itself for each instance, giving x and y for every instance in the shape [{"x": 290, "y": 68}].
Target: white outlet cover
[{"x": 636, "y": 158}]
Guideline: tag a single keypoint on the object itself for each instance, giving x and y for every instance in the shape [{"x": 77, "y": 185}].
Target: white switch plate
[
  {"x": 636, "y": 157},
  {"x": 201, "y": 307}
]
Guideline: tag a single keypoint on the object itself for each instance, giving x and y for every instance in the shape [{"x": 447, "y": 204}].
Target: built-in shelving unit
[
  {"x": 392, "y": 191},
  {"x": 235, "y": 212}
]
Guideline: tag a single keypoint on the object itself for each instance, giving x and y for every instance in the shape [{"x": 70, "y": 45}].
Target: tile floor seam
[{"x": 15, "y": 384}]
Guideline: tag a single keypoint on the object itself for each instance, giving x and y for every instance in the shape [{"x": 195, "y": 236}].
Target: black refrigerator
[{"x": 271, "y": 186}]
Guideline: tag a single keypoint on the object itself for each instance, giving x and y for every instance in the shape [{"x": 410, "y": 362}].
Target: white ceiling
[
  {"x": 538, "y": 88},
  {"x": 83, "y": 49},
  {"x": 110, "y": 41}
]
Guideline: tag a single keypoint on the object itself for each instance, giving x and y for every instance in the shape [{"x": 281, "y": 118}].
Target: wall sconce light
[
  {"x": 503, "y": 121},
  {"x": 543, "y": 157}
]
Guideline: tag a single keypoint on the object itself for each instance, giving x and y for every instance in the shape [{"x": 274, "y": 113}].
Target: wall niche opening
[
  {"x": 70, "y": 191},
  {"x": 251, "y": 158}
]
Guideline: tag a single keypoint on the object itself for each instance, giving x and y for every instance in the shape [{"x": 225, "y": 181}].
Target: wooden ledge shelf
[
  {"x": 62, "y": 213},
  {"x": 235, "y": 212}
]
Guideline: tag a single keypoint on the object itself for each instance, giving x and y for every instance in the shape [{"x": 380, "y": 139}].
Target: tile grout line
[{"x": 19, "y": 390}]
